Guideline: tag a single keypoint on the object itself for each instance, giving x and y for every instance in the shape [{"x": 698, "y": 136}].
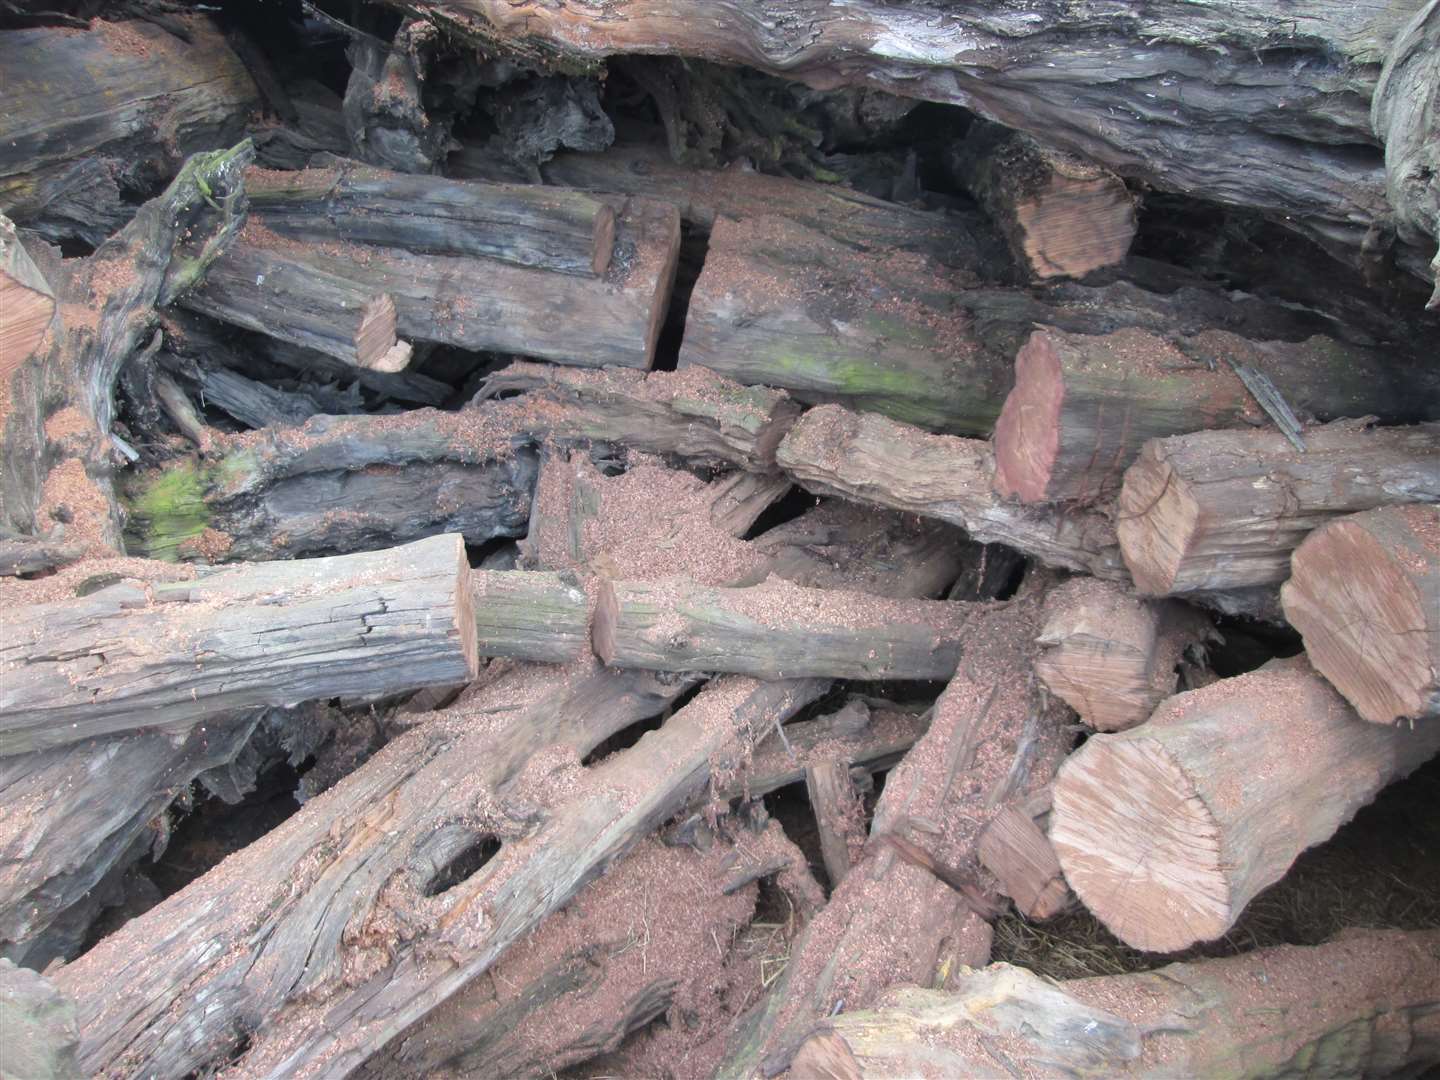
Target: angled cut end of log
[
  {"x": 27, "y": 303},
  {"x": 1020, "y": 855},
  {"x": 1364, "y": 593},
  {"x": 1168, "y": 830},
  {"x": 602, "y": 626}
]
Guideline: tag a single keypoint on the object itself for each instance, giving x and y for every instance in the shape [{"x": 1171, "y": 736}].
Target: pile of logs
[{"x": 550, "y": 512}]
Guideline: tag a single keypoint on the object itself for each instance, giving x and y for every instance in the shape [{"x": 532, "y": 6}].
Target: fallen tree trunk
[
  {"x": 530, "y": 615},
  {"x": 775, "y": 630},
  {"x": 99, "y": 117},
  {"x": 173, "y": 653},
  {"x": 1372, "y": 1020},
  {"x": 565, "y": 231},
  {"x": 870, "y": 458},
  {"x": 1083, "y": 406},
  {"x": 1364, "y": 592},
  {"x": 1168, "y": 830},
  {"x": 1110, "y": 656},
  {"x": 336, "y": 484},
  {"x": 1248, "y": 136},
  {"x": 1061, "y": 215},
  {"x": 1224, "y": 509}
]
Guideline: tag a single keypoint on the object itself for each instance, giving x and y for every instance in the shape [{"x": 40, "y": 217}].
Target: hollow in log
[
  {"x": 1364, "y": 592},
  {"x": 1168, "y": 830}
]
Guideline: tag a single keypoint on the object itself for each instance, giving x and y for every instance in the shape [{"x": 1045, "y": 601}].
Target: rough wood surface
[
  {"x": 98, "y": 117},
  {"x": 1021, "y": 857},
  {"x": 1062, "y": 216},
  {"x": 530, "y": 615},
  {"x": 1224, "y": 509},
  {"x": 775, "y": 630},
  {"x": 1284, "y": 128},
  {"x": 1084, "y": 405},
  {"x": 27, "y": 303},
  {"x": 870, "y": 458},
  {"x": 832, "y": 797},
  {"x": 170, "y": 654},
  {"x": 1356, "y": 1006},
  {"x": 1364, "y": 592},
  {"x": 1168, "y": 830},
  {"x": 566, "y": 231},
  {"x": 1110, "y": 656}
]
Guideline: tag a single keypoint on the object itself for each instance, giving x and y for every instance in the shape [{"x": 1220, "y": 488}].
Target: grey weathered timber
[
  {"x": 167, "y": 656},
  {"x": 41, "y": 1038},
  {"x": 693, "y": 414},
  {"x": 775, "y": 630},
  {"x": 95, "y": 118},
  {"x": 1224, "y": 509},
  {"x": 530, "y": 615},
  {"x": 871, "y": 458},
  {"x": 336, "y": 484},
  {"x": 547, "y": 228},
  {"x": 993, "y": 1021},
  {"x": 1283, "y": 125},
  {"x": 832, "y": 798},
  {"x": 1083, "y": 406},
  {"x": 267, "y": 292}
]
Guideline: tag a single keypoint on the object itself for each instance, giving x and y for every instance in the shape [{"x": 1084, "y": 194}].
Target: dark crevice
[
  {"x": 1249, "y": 644},
  {"x": 694, "y": 246},
  {"x": 627, "y": 737},
  {"x": 465, "y": 865},
  {"x": 794, "y": 503}
]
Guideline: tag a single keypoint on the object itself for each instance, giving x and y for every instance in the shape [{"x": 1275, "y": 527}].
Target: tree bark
[
  {"x": 1110, "y": 656},
  {"x": 98, "y": 117},
  {"x": 336, "y": 484},
  {"x": 568, "y": 232},
  {"x": 1168, "y": 830},
  {"x": 1364, "y": 592},
  {"x": 1061, "y": 215},
  {"x": 170, "y": 654},
  {"x": 530, "y": 615},
  {"x": 1083, "y": 406},
  {"x": 775, "y": 630},
  {"x": 1224, "y": 509},
  {"x": 870, "y": 458},
  {"x": 1293, "y": 142},
  {"x": 1368, "y": 1021}
]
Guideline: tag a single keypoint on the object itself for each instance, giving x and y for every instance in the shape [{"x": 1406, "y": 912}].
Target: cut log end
[
  {"x": 607, "y": 614},
  {"x": 375, "y": 341},
  {"x": 1177, "y": 892},
  {"x": 1076, "y": 225},
  {"x": 1157, "y": 520},
  {"x": 604, "y": 240},
  {"x": 1358, "y": 595},
  {"x": 24, "y": 317},
  {"x": 1027, "y": 435},
  {"x": 465, "y": 628}
]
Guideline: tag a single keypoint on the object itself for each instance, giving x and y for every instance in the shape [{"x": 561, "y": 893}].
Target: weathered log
[
  {"x": 1295, "y": 144},
  {"x": 27, "y": 303},
  {"x": 1026, "y": 869},
  {"x": 1083, "y": 406},
  {"x": 22, "y": 555},
  {"x": 991, "y": 742},
  {"x": 694, "y": 414},
  {"x": 1224, "y": 509},
  {"x": 1364, "y": 592},
  {"x": 485, "y": 304},
  {"x": 1062, "y": 216},
  {"x": 265, "y": 291},
  {"x": 1168, "y": 830},
  {"x": 385, "y": 119},
  {"x": 336, "y": 484},
  {"x": 41, "y": 1038},
  {"x": 775, "y": 630},
  {"x": 95, "y": 118},
  {"x": 170, "y": 654},
  {"x": 1110, "y": 656},
  {"x": 837, "y": 814},
  {"x": 57, "y": 459},
  {"x": 566, "y": 231},
  {"x": 530, "y": 615},
  {"x": 1356, "y": 1006},
  {"x": 870, "y": 458}
]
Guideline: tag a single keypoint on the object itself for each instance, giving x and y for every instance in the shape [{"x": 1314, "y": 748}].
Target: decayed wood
[
  {"x": 27, "y": 303},
  {"x": 1364, "y": 592},
  {"x": 57, "y": 447},
  {"x": 1083, "y": 406},
  {"x": 1224, "y": 509},
  {"x": 1063, "y": 216},
  {"x": 336, "y": 484},
  {"x": 267, "y": 292},
  {"x": 832, "y": 797},
  {"x": 1163, "y": 114},
  {"x": 1020, "y": 855},
  {"x": 1111, "y": 656},
  {"x": 870, "y": 458},
  {"x": 566, "y": 231},
  {"x": 775, "y": 630},
  {"x": 1356, "y": 1006},
  {"x": 97, "y": 117},
  {"x": 693, "y": 414},
  {"x": 264, "y": 634},
  {"x": 992, "y": 741},
  {"x": 41, "y": 1038},
  {"x": 385, "y": 119},
  {"x": 1167, "y": 831},
  {"x": 530, "y": 615}
]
